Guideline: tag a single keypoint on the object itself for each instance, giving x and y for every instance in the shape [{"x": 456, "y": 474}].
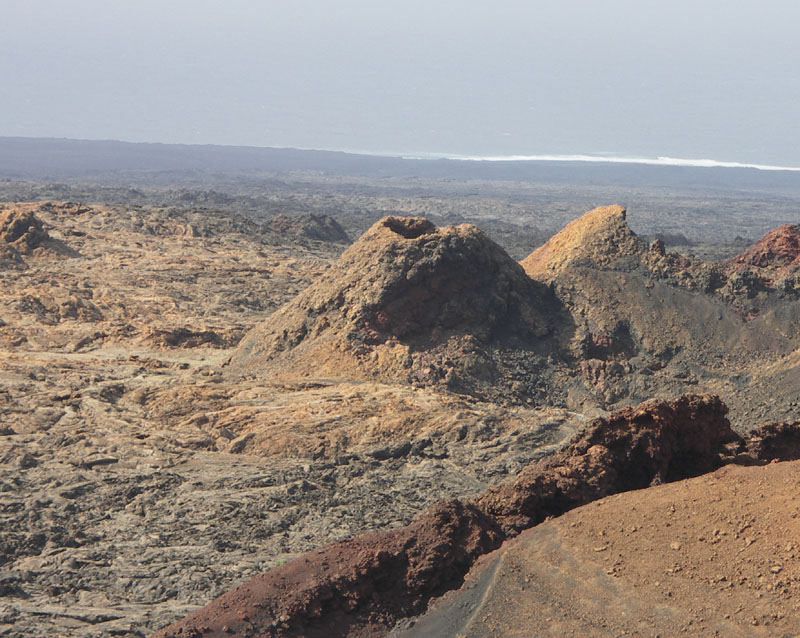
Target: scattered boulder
[{"x": 22, "y": 230}]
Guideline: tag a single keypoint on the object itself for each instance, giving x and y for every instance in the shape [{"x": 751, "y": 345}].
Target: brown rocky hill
[
  {"x": 602, "y": 240},
  {"x": 411, "y": 302}
]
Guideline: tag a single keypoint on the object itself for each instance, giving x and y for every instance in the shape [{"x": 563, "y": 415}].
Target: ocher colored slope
[{"x": 601, "y": 237}]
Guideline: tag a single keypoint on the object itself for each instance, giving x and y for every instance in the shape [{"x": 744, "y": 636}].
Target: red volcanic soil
[
  {"x": 715, "y": 555},
  {"x": 362, "y": 586},
  {"x": 778, "y": 250}
]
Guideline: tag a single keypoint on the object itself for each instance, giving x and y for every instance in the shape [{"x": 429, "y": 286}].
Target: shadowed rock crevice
[{"x": 409, "y": 227}]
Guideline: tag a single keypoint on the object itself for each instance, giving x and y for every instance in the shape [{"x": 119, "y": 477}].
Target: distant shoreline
[{"x": 649, "y": 161}]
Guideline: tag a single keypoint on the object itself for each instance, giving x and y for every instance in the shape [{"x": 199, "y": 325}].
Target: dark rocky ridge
[{"x": 649, "y": 322}]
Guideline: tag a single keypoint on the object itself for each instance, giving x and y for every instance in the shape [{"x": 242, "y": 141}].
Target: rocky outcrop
[
  {"x": 360, "y": 587},
  {"x": 653, "y": 443},
  {"x": 353, "y": 587},
  {"x": 774, "y": 441},
  {"x": 309, "y": 226},
  {"x": 411, "y": 302},
  {"x": 22, "y": 230}
]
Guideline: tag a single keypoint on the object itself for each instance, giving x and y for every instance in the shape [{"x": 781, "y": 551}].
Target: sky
[{"x": 699, "y": 79}]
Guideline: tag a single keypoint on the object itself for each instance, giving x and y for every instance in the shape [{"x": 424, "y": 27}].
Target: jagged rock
[
  {"x": 774, "y": 441},
  {"x": 656, "y": 442},
  {"x": 412, "y": 302}
]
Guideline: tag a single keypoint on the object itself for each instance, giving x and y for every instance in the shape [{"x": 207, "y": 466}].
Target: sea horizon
[{"x": 607, "y": 158}]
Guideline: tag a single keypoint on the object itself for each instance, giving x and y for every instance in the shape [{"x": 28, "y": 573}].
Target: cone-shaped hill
[
  {"x": 599, "y": 238},
  {"x": 627, "y": 296},
  {"x": 414, "y": 303}
]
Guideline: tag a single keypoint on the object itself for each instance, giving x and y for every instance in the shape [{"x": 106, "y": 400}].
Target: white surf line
[{"x": 652, "y": 161}]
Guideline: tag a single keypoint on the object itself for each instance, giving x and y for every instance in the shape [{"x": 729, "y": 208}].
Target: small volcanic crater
[{"x": 409, "y": 227}]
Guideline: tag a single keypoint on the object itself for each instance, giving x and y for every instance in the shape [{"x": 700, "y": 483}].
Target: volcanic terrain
[{"x": 191, "y": 398}]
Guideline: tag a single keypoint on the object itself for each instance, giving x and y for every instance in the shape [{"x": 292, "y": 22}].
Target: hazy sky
[{"x": 706, "y": 78}]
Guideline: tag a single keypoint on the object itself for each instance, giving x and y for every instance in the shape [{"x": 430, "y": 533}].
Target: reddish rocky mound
[
  {"x": 410, "y": 302},
  {"x": 353, "y": 587},
  {"x": 777, "y": 251},
  {"x": 360, "y": 587},
  {"x": 652, "y": 443}
]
